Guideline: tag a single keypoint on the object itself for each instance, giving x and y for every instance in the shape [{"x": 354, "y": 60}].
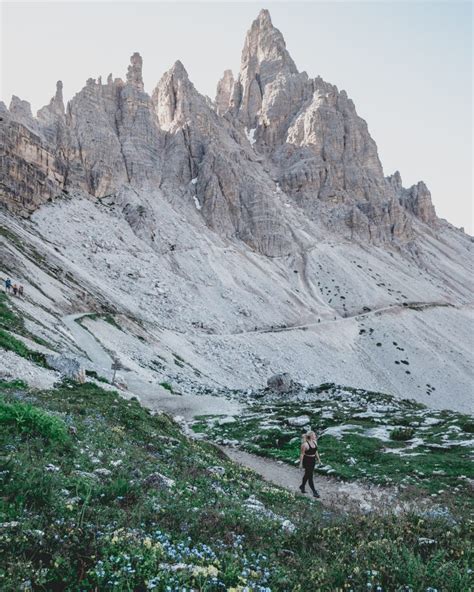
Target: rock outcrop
[{"x": 280, "y": 383}]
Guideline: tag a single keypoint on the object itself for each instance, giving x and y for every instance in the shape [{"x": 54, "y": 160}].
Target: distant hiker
[
  {"x": 20, "y": 290},
  {"x": 308, "y": 455},
  {"x": 15, "y": 289},
  {"x": 8, "y": 285}
]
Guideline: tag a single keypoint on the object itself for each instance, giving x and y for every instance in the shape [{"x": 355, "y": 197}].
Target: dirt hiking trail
[
  {"x": 339, "y": 495},
  {"x": 335, "y": 494}
]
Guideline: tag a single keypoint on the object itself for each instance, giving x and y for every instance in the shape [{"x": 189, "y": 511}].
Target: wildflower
[{"x": 209, "y": 571}]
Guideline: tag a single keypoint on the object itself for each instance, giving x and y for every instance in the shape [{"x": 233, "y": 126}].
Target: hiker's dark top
[{"x": 311, "y": 451}]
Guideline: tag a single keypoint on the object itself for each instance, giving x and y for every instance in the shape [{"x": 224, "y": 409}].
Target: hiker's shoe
[
  {"x": 316, "y": 494},
  {"x": 301, "y": 488}
]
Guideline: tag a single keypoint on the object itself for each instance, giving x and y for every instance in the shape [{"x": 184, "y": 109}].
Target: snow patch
[{"x": 250, "y": 133}]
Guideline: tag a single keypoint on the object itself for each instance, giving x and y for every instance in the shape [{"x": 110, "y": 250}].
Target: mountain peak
[
  {"x": 172, "y": 96},
  {"x": 265, "y": 45},
  {"x": 264, "y": 17},
  {"x": 178, "y": 70},
  {"x": 264, "y": 58}
]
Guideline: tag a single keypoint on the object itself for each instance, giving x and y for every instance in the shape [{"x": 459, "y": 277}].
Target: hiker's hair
[{"x": 306, "y": 437}]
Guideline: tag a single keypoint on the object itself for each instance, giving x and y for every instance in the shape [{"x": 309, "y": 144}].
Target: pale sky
[{"x": 407, "y": 66}]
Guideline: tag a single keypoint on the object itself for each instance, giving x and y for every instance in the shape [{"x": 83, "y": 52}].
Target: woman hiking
[{"x": 308, "y": 455}]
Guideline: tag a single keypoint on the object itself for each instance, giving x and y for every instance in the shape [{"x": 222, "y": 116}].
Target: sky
[{"x": 406, "y": 64}]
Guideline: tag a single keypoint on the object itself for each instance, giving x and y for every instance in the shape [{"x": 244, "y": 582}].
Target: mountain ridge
[{"x": 314, "y": 147}]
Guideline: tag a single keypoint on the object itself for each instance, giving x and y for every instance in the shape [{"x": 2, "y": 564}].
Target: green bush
[
  {"x": 93, "y": 374},
  {"x": 468, "y": 427},
  {"x": 402, "y": 434},
  {"x": 14, "y": 384},
  {"x": 32, "y": 421}
]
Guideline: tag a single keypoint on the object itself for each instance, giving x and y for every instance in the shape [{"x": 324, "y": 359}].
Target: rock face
[
  {"x": 273, "y": 139},
  {"x": 209, "y": 158}
]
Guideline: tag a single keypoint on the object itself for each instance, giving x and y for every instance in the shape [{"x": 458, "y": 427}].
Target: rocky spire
[
  {"x": 265, "y": 50},
  {"x": 172, "y": 95},
  {"x": 57, "y": 102},
  {"x": 264, "y": 57},
  {"x": 21, "y": 112},
  {"x": 134, "y": 72},
  {"x": 418, "y": 201},
  {"x": 20, "y": 109},
  {"x": 224, "y": 92}
]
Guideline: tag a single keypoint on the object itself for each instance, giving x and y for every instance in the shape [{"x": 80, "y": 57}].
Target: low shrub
[
  {"x": 32, "y": 421},
  {"x": 468, "y": 427},
  {"x": 402, "y": 434},
  {"x": 93, "y": 374}
]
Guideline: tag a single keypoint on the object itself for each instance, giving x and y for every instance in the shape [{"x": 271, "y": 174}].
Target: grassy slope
[
  {"x": 433, "y": 459},
  {"x": 78, "y": 512}
]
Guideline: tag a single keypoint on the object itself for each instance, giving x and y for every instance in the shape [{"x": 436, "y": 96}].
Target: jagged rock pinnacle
[
  {"x": 178, "y": 71},
  {"x": 171, "y": 95},
  {"x": 224, "y": 92},
  {"x": 264, "y": 17},
  {"x": 264, "y": 58},
  {"x": 57, "y": 102},
  {"x": 134, "y": 72}
]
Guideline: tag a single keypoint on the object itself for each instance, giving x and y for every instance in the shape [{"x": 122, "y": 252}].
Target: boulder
[
  {"x": 68, "y": 367},
  {"x": 281, "y": 383},
  {"x": 158, "y": 481},
  {"x": 298, "y": 422}
]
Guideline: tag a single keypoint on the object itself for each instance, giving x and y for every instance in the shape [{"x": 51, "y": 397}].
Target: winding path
[
  {"x": 337, "y": 494},
  {"x": 334, "y": 494},
  {"x": 340, "y": 319}
]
